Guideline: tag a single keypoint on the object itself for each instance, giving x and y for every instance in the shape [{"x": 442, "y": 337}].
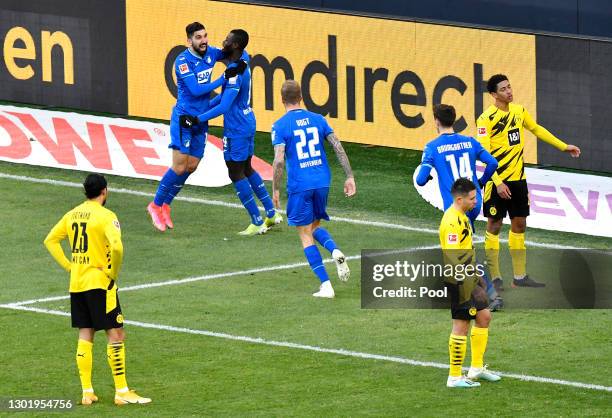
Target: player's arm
[
  {"x": 484, "y": 132},
  {"x": 52, "y": 242},
  {"x": 215, "y": 101},
  {"x": 424, "y": 169},
  {"x": 485, "y": 157},
  {"x": 198, "y": 89},
  {"x": 227, "y": 98},
  {"x": 349, "y": 185},
  {"x": 112, "y": 231},
  {"x": 544, "y": 134},
  {"x": 277, "y": 172},
  {"x": 451, "y": 235}
]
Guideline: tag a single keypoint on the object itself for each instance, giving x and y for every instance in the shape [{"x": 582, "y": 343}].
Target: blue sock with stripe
[
  {"x": 258, "y": 186},
  {"x": 245, "y": 194},
  {"x": 323, "y": 238},
  {"x": 165, "y": 185},
  {"x": 176, "y": 187},
  {"x": 316, "y": 262}
]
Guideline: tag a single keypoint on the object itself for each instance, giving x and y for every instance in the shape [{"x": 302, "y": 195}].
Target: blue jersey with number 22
[{"x": 302, "y": 133}]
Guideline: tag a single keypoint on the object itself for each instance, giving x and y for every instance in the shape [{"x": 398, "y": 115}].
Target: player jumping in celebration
[
  {"x": 239, "y": 135},
  {"x": 297, "y": 136},
  {"x": 94, "y": 235},
  {"x": 468, "y": 300},
  {"x": 193, "y": 69},
  {"x": 454, "y": 156},
  {"x": 500, "y": 130}
]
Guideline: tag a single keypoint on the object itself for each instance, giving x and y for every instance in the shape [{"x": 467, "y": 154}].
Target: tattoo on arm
[
  {"x": 278, "y": 166},
  {"x": 340, "y": 153}
]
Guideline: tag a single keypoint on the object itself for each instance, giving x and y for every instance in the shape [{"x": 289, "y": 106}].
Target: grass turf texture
[{"x": 193, "y": 374}]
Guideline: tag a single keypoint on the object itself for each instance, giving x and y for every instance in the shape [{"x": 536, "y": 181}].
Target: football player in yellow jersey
[
  {"x": 468, "y": 299},
  {"x": 500, "y": 130},
  {"x": 94, "y": 235}
]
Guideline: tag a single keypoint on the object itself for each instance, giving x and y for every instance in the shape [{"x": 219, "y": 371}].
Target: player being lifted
[
  {"x": 234, "y": 103},
  {"x": 94, "y": 235},
  {"x": 500, "y": 130},
  {"x": 193, "y": 69},
  {"x": 454, "y": 156},
  {"x": 468, "y": 300},
  {"x": 297, "y": 136}
]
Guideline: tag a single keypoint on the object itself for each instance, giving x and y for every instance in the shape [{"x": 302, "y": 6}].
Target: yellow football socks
[
  {"x": 116, "y": 361},
  {"x": 492, "y": 254},
  {"x": 84, "y": 362},
  {"x": 516, "y": 242},
  {"x": 478, "y": 344},
  {"x": 457, "y": 345}
]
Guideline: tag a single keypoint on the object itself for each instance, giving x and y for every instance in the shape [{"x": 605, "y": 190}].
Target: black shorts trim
[
  {"x": 517, "y": 206},
  {"x": 88, "y": 310}
]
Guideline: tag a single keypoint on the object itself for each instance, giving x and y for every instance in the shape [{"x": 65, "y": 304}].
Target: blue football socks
[
  {"x": 176, "y": 187},
  {"x": 316, "y": 262},
  {"x": 323, "y": 238},
  {"x": 258, "y": 186},
  {"x": 165, "y": 185},
  {"x": 245, "y": 194}
]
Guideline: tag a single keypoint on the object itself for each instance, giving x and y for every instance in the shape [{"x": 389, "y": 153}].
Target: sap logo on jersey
[{"x": 204, "y": 76}]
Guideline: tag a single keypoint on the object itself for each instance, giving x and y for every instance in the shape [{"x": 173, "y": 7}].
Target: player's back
[
  {"x": 453, "y": 156},
  {"x": 303, "y": 132},
  {"x": 239, "y": 121},
  {"x": 86, "y": 227},
  {"x": 188, "y": 64}
]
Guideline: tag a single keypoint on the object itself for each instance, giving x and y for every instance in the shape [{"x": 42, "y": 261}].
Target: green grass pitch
[{"x": 187, "y": 350}]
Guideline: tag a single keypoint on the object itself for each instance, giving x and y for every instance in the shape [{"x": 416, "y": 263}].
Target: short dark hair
[
  {"x": 241, "y": 37},
  {"x": 193, "y": 28},
  {"x": 494, "y": 81},
  {"x": 445, "y": 114},
  {"x": 462, "y": 187},
  {"x": 94, "y": 184}
]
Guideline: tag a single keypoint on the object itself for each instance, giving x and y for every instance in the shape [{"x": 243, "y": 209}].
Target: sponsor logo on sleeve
[
  {"x": 482, "y": 131},
  {"x": 452, "y": 238},
  {"x": 183, "y": 68}
]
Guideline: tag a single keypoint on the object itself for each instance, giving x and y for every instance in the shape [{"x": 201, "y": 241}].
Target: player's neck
[
  {"x": 196, "y": 53},
  {"x": 458, "y": 208},
  {"x": 443, "y": 130},
  {"x": 502, "y": 105},
  {"x": 290, "y": 107},
  {"x": 235, "y": 55}
]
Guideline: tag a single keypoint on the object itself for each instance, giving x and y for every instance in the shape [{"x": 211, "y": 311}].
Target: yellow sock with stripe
[
  {"x": 84, "y": 362},
  {"x": 116, "y": 361},
  {"x": 516, "y": 242},
  {"x": 492, "y": 254},
  {"x": 478, "y": 344},
  {"x": 457, "y": 345}
]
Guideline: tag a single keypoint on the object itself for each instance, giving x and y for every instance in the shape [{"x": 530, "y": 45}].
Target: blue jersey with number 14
[
  {"x": 302, "y": 133},
  {"x": 454, "y": 156}
]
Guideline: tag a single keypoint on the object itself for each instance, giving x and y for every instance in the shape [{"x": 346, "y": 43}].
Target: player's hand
[
  {"x": 236, "y": 70},
  {"x": 187, "y": 121},
  {"x": 349, "y": 187},
  {"x": 504, "y": 191},
  {"x": 573, "y": 150},
  {"x": 276, "y": 199}
]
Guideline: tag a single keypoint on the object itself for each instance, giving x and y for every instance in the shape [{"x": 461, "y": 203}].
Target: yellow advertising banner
[{"x": 374, "y": 79}]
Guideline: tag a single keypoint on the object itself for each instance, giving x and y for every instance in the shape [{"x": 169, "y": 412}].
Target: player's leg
[
  {"x": 107, "y": 315},
  {"x": 300, "y": 214},
  {"x": 180, "y": 140},
  {"x": 479, "y": 337},
  {"x": 519, "y": 210},
  {"x": 259, "y": 187},
  {"x": 495, "y": 209},
  {"x": 236, "y": 153},
  {"x": 81, "y": 319},
  {"x": 323, "y": 237}
]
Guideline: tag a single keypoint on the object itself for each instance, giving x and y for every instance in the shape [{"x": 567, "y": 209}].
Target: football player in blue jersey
[
  {"x": 193, "y": 69},
  {"x": 297, "y": 138},
  {"x": 234, "y": 103},
  {"x": 454, "y": 156}
]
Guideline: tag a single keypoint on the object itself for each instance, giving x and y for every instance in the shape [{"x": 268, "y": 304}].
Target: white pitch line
[
  {"x": 386, "y": 225},
  {"x": 191, "y": 279},
  {"x": 338, "y": 351}
]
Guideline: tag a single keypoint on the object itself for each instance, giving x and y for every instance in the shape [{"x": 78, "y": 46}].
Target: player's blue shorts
[
  {"x": 303, "y": 208},
  {"x": 238, "y": 149},
  {"x": 190, "y": 141}
]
